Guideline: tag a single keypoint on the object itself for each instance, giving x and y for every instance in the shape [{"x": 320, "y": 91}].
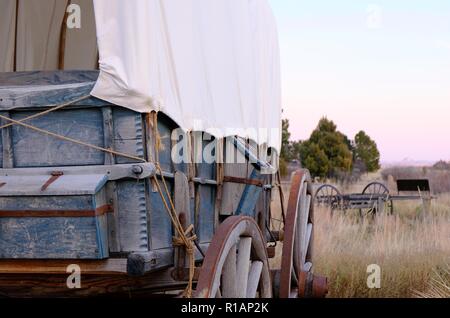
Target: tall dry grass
[
  {"x": 410, "y": 249},
  {"x": 439, "y": 286}
]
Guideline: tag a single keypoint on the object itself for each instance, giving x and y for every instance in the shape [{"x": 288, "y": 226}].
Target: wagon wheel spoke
[
  {"x": 229, "y": 277},
  {"x": 236, "y": 263},
  {"x": 376, "y": 190},
  {"x": 328, "y": 196},
  {"x": 306, "y": 246},
  {"x": 243, "y": 266},
  {"x": 253, "y": 279}
]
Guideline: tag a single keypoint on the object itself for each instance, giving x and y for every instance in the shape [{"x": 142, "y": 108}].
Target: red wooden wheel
[
  {"x": 296, "y": 275},
  {"x": 236, "y": 264}
]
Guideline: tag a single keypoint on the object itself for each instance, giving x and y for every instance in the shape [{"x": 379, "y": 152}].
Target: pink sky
[{"x": 391, "y": 80}]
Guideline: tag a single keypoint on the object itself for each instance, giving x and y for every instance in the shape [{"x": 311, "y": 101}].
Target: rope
[{"x": 184, "y": 239}]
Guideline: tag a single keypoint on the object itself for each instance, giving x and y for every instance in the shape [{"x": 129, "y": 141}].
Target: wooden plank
[
  {"x": 235, "y": 166},
  {"x": 165, "y": 128},
  {"x": 33, "y": 149},
  {"x": 139, "y": 264},
  {"x": 49, "y": 96},
  {"x": 219, "y": 177},
  {"x": 51, "y": 238},
  {"x": 205, "y": 214},
  {"x": 133, "y": 214},
  {"x": 182, "y": 195},
  {"x": 128, "y": 134},
  {"x": 43, "y": 78},
  {"x": 182, "y": 206},
  {"x": 92, "y": 285},
  {"x": 84, "y": 202},
  {"x": 7, "y": 150},
  {"x": 48, "y": 89},
  {"x": 108, "y": 134},
  {"x": 232, "y": 193},
  {"x": 111, "y": 187},
  {"x": 108, "y": 266},
  {"x": 113, "y": 218},
  {"x": 161, "y": 225}
]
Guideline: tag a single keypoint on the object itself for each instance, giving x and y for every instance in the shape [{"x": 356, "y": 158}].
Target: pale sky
[{"x": 382, "y": 66}]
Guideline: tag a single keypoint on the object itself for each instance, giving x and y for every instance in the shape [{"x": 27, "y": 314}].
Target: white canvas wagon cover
[{"x": 210, "y": 65}]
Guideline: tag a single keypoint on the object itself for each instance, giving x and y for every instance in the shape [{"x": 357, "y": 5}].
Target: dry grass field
[{"x": 412, "y": 250}]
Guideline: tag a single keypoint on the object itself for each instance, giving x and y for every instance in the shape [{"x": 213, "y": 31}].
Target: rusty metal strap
[
  {"x": 253, "y": 182},
  {"x": 54, "y": 176}
]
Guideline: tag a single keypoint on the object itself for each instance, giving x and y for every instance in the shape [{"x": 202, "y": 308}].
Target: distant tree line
[{"x": 328, "y": 153}]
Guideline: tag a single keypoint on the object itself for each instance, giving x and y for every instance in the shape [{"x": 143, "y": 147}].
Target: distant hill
[{"x": 407, "y": 162}]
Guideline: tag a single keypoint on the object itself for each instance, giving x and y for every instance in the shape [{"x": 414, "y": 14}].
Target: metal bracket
[{"x": 54, "y": 176}]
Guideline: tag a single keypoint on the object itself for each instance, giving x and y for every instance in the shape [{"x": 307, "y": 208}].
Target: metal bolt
[{"x": 137, "y": 170}]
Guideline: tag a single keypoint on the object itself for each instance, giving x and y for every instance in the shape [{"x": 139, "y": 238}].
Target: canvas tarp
[
  {"x": 30, "y": 36},
  {"x": 209, "y": 65}
]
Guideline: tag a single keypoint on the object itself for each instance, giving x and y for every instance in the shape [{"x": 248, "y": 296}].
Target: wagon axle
[{"x": 312, "y": 286}]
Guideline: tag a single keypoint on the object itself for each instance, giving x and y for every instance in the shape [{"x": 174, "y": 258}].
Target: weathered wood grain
[
  {"x": 7, "y": 150},
  {"x": 183, "y": 208},
  {"x": 139, "y": 264},
  {"x": 92, "y": 285}
]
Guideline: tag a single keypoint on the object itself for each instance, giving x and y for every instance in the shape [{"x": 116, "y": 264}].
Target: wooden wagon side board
[
  {"x": 250, "y": 196},
  {"x": 67, "y": 221},
  {"x": 236, "y": 166},
  {"x": 33, "y": 149},
  {"x": 244, "y": 183},
  {"x": 24, "y": 90},
  {"x": 137, "y": 225}
]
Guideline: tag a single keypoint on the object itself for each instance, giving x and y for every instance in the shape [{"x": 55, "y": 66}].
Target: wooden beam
[
  {"x": 25, "y": 285},
  {"x": 139, "y": 264},
  {"x": 109, "y": 266},
  {"x": 8, "y": 159}
]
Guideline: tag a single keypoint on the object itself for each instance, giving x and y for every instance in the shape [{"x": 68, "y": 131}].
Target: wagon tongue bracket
[{"x": 55, "y": 175}]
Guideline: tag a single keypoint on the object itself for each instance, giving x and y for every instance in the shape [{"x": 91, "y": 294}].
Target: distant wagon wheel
[
  {"x": 296, "y": 275},
  {"x": 328, "y": 196},
  {"x": 236, "y": 264},
  {"x": 377, "y": 190}
]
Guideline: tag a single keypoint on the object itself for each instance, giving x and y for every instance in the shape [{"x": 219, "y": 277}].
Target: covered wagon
[{"x": 138, "y": 152}]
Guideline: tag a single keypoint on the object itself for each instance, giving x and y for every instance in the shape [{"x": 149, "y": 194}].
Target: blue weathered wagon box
[
  {"x": 53, "y": 216},
  {"x": 63, "y": 202}
]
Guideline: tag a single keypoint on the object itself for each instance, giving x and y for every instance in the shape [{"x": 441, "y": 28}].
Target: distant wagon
[{"x": 88, "y": 181}]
